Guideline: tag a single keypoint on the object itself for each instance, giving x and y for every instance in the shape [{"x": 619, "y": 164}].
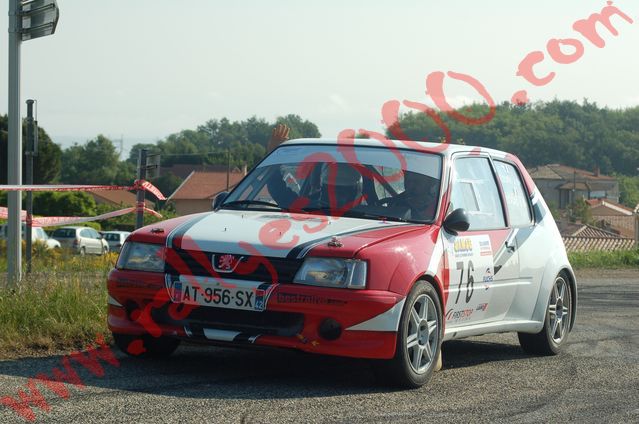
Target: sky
[{"x": 143, "y": 69}]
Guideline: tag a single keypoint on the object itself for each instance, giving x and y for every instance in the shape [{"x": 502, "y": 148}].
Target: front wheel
[
  {"x": 146, "y": 346},
  {"x": 556, "y": 325},
  {"x": 419, "y": 339}
]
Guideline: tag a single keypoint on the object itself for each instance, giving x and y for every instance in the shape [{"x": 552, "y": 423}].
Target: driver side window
[{"x": 475, "y": 190}]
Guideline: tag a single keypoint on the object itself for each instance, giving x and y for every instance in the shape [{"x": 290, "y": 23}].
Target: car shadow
[
  {"x": 472, "y": 352},
  {"x": 233, "y": 373}
]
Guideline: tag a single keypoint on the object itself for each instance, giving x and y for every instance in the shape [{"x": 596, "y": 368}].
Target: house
[
  {"x": 183, "y": 170},
  {"x": 119, "y": 198},
  {"x": 582, "y": 237},
  {"x": 197, "y": 191},
  {"x": 561, "y": 185},
  {"x": 614, "y": 217}
]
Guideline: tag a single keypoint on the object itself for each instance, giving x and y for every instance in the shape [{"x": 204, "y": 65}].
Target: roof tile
[{"x": 201, "y": 185}]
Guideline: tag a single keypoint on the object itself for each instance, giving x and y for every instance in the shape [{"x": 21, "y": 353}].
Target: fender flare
[{"x": 558, "y": 265}]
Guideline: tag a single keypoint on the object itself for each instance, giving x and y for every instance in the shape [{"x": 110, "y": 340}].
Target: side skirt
[{"x": 492, "y": 327}]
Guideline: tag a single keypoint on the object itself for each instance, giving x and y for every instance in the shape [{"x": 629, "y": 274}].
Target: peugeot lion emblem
[{"x": 225, "y": 263}]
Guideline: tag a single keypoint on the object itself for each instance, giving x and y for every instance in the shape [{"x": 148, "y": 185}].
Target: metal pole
[
  {"x": 14, "y": 157},
  {"x": 228, "y": 168},
  {"x": 139, "y": 216},
  {"x": 29, "y": 152}
]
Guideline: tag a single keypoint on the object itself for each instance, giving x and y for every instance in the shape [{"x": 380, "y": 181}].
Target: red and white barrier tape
[
  {"x": 137, "y": 185},
  {"x": 50, "y": 221},
  {"x": 4, "y": 214}
]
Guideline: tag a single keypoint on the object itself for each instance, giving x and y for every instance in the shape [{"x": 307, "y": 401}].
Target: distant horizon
[{"x": 68, "y": 140}]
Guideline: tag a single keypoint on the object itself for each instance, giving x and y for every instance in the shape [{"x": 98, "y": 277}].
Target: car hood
[{"x": 270, "y": 234}]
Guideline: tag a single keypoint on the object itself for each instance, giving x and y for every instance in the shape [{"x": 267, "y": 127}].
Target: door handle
[{"x": 510, "y": 245}]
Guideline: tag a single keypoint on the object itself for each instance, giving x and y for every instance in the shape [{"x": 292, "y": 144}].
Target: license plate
[{"x": 231, "y": 294}]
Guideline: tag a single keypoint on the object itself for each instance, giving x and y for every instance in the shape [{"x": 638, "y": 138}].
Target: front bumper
[{"x": 343, "y": 322}]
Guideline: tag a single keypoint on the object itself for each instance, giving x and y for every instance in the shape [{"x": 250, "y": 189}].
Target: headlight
[
  {"x": 332, "y": 272},
  {"x": 141, "y": 257}
]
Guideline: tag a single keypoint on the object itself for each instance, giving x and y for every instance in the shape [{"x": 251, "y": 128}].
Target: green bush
[{"x": 605, "y": 259}]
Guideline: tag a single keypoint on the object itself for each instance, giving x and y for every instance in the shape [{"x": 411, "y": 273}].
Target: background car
[
  {"x": 115, "y": 239},
  {"x": 37, "y": 234},
  {"x": 81, "y": 240}
]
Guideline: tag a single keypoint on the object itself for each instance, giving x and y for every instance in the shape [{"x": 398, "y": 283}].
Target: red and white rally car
[{"x": 366, "y": 248}]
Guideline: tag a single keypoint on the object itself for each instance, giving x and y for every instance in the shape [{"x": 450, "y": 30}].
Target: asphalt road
[{"x": 484, "y": 379}]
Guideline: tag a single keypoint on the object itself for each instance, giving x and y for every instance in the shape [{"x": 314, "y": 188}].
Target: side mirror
[
  {"x": 219, "y": 199},
  {"x": 457, "y": 221}
]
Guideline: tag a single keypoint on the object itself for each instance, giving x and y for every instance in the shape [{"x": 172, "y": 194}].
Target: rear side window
[
  {"x": 515, "y": 194},
  {"x": 475, "y": 190},
  {"x": 64, "y": 233},
  {"x": 86, "y": 234}
]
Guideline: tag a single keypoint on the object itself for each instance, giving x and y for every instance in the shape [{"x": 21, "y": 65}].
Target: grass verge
[
  {"x": 605, "y": 259},
  {"x": 52, "y": 312}
]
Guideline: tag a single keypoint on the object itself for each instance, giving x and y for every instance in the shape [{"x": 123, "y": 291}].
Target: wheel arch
[
  {"x": 554, "y": 268},
  {"x": 572, "y": 280},
  {"x": 434, "y": 281}
]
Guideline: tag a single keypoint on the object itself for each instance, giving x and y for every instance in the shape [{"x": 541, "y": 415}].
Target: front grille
[
  {"x": 185, "y": 262},
  {"x": 267, "y": 322}
]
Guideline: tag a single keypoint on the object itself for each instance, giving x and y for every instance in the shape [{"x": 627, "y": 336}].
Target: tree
[
  {"x": 125, "y": 173},
  {"x": 167, "y": 183},
  {"x": 69, "y": 203},
  {"x": 581, "y": 211},
  {"x": 94, "y": 162},
  {"x": 629, "y": 191},
  {"x": 134, "y": 152},
  {"x": 299, "y": 128},
  {"x": 47, "y": 164}
]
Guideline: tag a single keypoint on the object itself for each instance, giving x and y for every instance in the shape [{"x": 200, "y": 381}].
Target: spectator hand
[{"x": 278, "y": 136}]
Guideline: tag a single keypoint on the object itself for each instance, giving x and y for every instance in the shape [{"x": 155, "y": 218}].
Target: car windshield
[
  {"x": 64, "y": 233},
  {"x": 112, "y": 237},
  {"x": 354, "y": 181}
]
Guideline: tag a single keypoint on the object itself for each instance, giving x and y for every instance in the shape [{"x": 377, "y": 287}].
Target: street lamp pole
[{"x": 14, "y": 157}]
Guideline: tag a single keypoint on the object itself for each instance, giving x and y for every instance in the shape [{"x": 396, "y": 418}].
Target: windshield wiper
[
  {"x": 354, "y": 213},
  {"x": 248, "y": 202}
]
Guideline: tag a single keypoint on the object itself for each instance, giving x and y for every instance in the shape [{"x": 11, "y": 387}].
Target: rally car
[{"x": 361, "y": 248}]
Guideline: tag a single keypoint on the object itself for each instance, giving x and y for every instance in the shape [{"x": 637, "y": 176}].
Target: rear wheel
[
  {"x": 419, "y": 339},
  {"x": 146, "y": 346},
  {"x": 83, "y": 251},
  {"x": 556, "y": 325}
]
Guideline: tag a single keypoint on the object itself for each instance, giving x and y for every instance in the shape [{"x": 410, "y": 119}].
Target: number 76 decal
[{"x": 470, "y": 281}]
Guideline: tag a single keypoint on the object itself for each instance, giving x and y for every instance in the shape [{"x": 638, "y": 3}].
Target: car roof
[
  {"x": 434, "y": 147},
  {"x": 116, "y": 232}
]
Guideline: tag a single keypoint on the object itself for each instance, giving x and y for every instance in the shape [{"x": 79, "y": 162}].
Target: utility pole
[
  {"x": 14, "y": 159},
  {"x": 228, "y": 168},
  {"x": 29, "y": 153},
  {"x": 27, "y": 20},
  {"x": 139, "y": 214}
]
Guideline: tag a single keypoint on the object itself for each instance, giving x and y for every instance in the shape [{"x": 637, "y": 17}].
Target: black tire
[
  {"x": 553, "y": 336},
  {"x": 400, "y": 371},
  {"x": 146, "y": 346},
  {"x": 83, "y": 251},
  {"x": 105, "y": 250}
]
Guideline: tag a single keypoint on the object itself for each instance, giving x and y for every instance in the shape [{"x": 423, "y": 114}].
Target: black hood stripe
[
  {"x": 179, "y": 231},
  {"x": 300, "y": 251}
]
